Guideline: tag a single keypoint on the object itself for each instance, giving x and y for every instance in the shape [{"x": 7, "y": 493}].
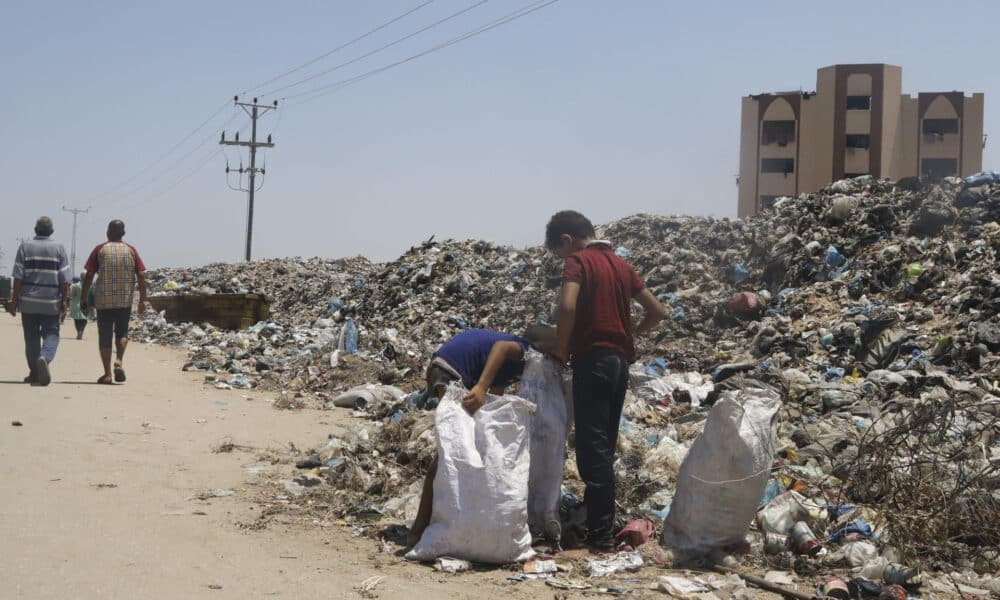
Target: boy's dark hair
[{"x": 567, "y": 222}]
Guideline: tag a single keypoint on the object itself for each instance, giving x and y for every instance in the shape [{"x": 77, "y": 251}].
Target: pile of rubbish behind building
[{"x": 871, "y": 306}]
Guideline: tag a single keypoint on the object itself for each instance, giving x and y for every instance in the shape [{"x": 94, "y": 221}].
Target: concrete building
[{"x": 857, "y": 122}]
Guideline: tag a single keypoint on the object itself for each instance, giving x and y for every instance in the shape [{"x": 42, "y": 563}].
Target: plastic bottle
[{"x": 349, "y": 337}]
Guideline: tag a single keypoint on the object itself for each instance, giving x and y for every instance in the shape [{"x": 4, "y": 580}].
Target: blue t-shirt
[{"x": 467, "y": 353}]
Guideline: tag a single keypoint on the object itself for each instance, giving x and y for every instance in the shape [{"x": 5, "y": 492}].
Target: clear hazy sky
[{"x": 610, "y": 107}]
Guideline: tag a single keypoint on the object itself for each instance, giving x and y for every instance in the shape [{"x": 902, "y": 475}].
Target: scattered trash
[
  {"x": 623, "y": 561},
  {"x": 451, "y": 565},
  {"x": 678, "y": 587}
]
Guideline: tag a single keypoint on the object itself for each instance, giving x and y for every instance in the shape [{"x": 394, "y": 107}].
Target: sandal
[
  {"x": 105, "y": 380},
  {"x": 119, "y": 374}
]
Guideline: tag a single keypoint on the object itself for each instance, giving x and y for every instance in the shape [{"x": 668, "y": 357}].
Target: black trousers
[{"x": 599, "y": 383}]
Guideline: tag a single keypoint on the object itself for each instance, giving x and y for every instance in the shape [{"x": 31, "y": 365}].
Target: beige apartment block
[{"x": 857, "y": 122}]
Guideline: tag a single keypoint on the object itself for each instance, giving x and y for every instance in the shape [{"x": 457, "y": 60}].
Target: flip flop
[
  {"x": 105, "y": 380},
  {"x": 119, "y": 374}
]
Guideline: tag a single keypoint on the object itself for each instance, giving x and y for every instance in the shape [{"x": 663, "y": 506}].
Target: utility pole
[
  {"x": 72, "y": 252},
  {"x": 254, "y": 110}
]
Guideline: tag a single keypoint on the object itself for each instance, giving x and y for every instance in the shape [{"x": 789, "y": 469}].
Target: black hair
[{"x": 567, "y": 222}]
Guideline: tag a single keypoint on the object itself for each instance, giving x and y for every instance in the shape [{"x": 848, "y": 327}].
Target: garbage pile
[{"x": 871, "y": 306}]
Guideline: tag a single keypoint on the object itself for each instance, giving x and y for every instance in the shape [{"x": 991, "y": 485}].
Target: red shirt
[{"x": 604, "y": 307}]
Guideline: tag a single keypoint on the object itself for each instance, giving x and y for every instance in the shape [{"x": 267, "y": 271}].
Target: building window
[
  {"x": 941, "y": 126},
  {"x": 766, "y": 202},
  {"x": 935, "y": 129},
  {"x": 858, "y": 140},
  {"x": 781, "y": 133},
  {"x": 859, "y": 103},
  {"x": 935, "y": 169},
  {"x": 777, "y": 165}
]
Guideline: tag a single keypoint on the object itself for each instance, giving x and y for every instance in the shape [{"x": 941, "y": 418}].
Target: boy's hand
[{"x": 474, "y": 400}]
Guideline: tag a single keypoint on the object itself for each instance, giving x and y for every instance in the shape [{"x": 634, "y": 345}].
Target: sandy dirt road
[
  {"x": 100, "y": 487},
  {"x": 95, "y": 504}
]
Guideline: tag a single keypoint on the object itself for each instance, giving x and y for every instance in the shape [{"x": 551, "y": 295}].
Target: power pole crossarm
[
  {"x": 72, "y": 254},
  {"x": 254, "y": 110}
]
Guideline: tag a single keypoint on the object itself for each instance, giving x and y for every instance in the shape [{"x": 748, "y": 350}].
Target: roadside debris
[{"x": 866, "y": 317}]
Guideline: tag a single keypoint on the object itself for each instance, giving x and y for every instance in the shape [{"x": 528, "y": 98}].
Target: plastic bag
[
  {"x": 480, "y": 510},
  {"x": 723, "y": 477},
  {"x": 541, "y": 383}
]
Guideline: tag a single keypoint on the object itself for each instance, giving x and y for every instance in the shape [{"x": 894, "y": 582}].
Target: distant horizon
[{"x": 605, "y": 108}]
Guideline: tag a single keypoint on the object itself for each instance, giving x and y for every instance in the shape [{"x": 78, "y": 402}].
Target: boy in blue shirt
[{"x": 484, "y": 361}]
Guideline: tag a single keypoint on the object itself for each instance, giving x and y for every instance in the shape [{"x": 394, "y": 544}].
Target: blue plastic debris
[
  {"x": 772, "y": 491},
  {"x": 623, "y": 252},
  {"x": 834, "y": 373},
  {"x": 349, "y": 337},
  {"x": 657, "y": 367},
  {"x": 740, "y": 273},
  {"x": 859, "y": 526},
  {"x": 827, "y": 340},
  {"x": 460, "y": 322},
  {"x": 833, "y": 257},
  {"x": 335, "y": 305}
]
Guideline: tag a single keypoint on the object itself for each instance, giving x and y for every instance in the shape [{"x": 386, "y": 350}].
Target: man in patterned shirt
[{"x": 118, "y": 269}]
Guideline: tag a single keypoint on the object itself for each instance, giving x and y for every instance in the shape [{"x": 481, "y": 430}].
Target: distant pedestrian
[
  {"x": 118, "y": 269},
  {"x": 41, "y": 293},
  {"x": 75, "y": 312}
]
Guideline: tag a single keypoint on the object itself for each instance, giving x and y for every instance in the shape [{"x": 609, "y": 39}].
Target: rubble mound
[{"x": 873, "y": 306}]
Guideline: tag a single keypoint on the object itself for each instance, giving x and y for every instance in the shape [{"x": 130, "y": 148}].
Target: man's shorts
[{"x": 112, "y": 323}]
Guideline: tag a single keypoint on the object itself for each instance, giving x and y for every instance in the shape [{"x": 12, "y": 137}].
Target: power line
[
  {"x": 98, "y": 197},
  {"x": 338, "y": 85},
  {"x": 173, "y": 165},
  {"x": 339, "y": 48},
  {"x": 198, "y": 167},
  {"x": 76, "y": 212},
  {"x": 255, "y": 111},
  {"x": 377, "y": 50}
]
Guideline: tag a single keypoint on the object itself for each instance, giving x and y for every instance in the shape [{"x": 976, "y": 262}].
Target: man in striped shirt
[{"x": 41, "y": 293}]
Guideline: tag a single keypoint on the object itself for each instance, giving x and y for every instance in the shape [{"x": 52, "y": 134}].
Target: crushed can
[
  {"x": 893, "y": 592},
  {"x": 775, "y": 543},
  {"x": 837, "y": 588},
  {"x": 803, "y": 540}
]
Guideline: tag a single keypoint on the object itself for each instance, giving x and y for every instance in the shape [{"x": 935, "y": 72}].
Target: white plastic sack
[
  {"x": 724, "y": 475},
  {"x": 480, "y": 509},
  {"x": 541, "y": 384}
]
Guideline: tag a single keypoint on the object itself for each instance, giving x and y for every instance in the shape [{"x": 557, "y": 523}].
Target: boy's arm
[
  {"x": 500, "y": 353},
  {"x": 566, "y": 318},
  {"x": 655, "y": 312}
]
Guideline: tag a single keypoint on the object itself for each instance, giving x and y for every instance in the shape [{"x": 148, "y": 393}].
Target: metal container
[
  {"x": 226, "y": 311},
  {"x": 775, "y": 543},
  {"x": 803, "y": 540},
  {"x": 837, "y": 588}
]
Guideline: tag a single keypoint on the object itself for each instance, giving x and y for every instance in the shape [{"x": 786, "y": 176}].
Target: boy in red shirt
[{"x": 595, "y": 332}]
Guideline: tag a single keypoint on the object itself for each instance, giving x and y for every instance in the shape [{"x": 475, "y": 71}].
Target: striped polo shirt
[{"x": 42, "y": 267}]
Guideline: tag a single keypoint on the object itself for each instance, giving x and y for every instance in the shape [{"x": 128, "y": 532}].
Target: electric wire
[
  {"x": 338, "y": 48},
  {"x": 335, "y": 86},
  {"x": 376, "y": 50}
]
